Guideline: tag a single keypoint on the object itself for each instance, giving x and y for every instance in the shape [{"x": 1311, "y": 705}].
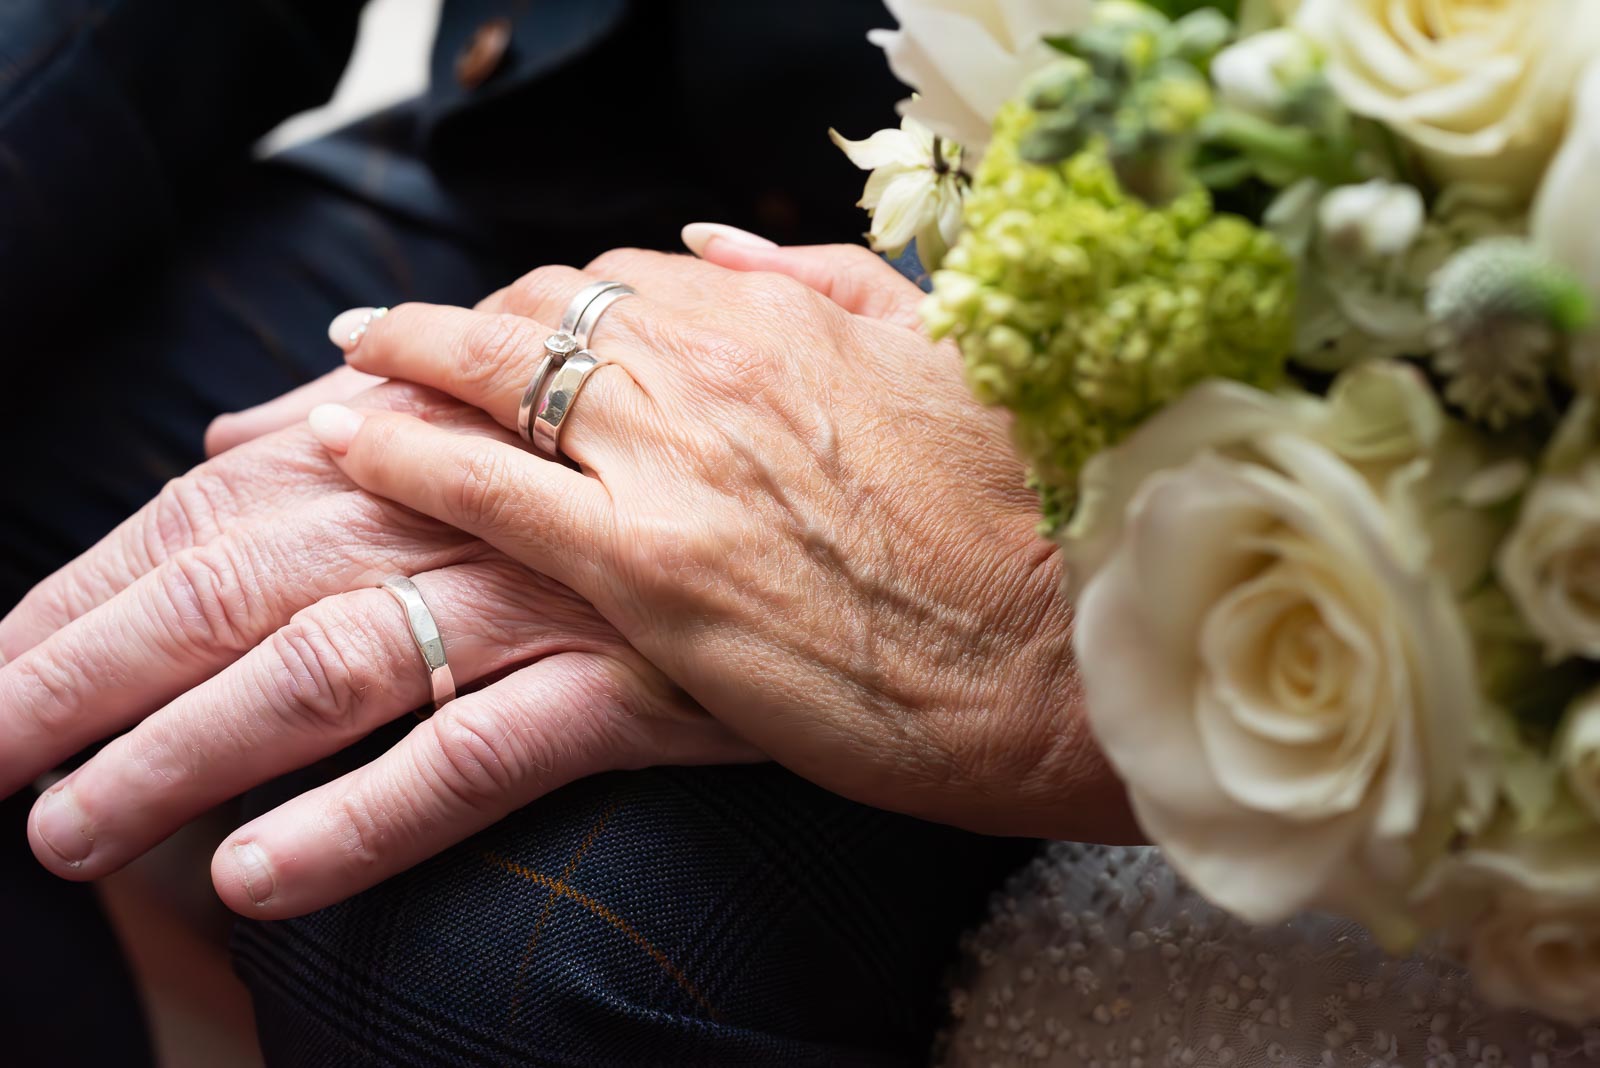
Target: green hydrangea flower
[{"x": 1084, "y": 310}]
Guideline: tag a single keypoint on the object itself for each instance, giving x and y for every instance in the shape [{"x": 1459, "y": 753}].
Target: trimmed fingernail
[
  {"x": 349, "y": 327},
  {"x": 335, "y": 425},
  {"x": 255, "y": 871},
  {"x": 696, "y": 236},
  {"x": 60, "y": 824}
]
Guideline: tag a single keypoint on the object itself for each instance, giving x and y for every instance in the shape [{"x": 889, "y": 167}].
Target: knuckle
[
  {"x": 205, "y": 590},
  {"x": 744, "y": 369},
  {"x": 476, "y": 760},
  {"x": 480, "y": 490},
  {"x": 363, "y": 831},
  {"x": 549, "y": 286},
  {"x": 780, "y": 297},
  {"x": 494, "y": 349},
  {"x": 45, "y": 693},
  {"x": 621, "y": 261},
  {"x": 184, "y": 514},
  {"x": 318, "y": 677}
]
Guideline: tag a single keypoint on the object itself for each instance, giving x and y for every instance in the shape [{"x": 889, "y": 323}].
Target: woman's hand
[
  {"x": 799, "y": 513},
  {"x": 234, "y": 626}
]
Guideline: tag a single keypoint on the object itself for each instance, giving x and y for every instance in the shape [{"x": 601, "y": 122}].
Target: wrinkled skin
[
  {"x": 233, "y": 625},
  {"x": 789, "y": 502},
  {"x": 832, "y": 555}
]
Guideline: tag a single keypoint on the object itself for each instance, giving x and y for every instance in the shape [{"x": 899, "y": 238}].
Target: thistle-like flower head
[{"x": 1501, "y": 317}]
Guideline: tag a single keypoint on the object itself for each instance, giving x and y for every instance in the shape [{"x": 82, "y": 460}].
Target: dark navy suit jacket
[{"x": 116, "y": 117}]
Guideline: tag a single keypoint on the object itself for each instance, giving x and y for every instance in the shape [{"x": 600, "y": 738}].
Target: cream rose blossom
[
  {"x": 965, "y": 58},
  {"x": 1270, "y": 660},
  {"x": 1578, "y": 750},
  {"x": 1480, "y": 87},
  {"x": 1525, "y": 918},
  {"x": 1550, "y": 563},
  {"x": 1566, "y": 214}
]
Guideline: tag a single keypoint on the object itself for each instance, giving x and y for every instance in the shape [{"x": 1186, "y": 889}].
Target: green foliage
[
  {"x": 1083, "y": 309},
  {"x": 1136, "y": 80},
  {"x": 1176, "y": 9}
]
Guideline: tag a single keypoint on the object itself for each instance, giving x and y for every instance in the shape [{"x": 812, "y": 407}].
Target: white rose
[
  {"x": 1566, "y": 213},
  {"x": 1526, "y": 906},
  {"x": 1578, "y": 749},
  {"x": 1270, "y": 661},
  {"x": 1256, "y": 73},
  {"x": 1481, "y": 89},
  {"x": 965, "y": 58},
  {"x": 1550, "y": 563}
]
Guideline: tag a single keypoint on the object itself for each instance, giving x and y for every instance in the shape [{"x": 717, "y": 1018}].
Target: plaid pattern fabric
[{"x": 670, "y": 916}]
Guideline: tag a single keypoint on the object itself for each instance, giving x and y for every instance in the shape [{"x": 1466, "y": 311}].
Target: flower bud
[
  {"x": 1260, "y": 74},
  {"x": 1375, "y": 219}
]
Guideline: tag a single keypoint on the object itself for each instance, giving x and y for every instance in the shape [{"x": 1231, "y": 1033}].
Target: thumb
[{"x": 859, "y": 281}]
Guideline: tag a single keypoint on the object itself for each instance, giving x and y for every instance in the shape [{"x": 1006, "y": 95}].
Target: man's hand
[{"x": 232, "y": 624}]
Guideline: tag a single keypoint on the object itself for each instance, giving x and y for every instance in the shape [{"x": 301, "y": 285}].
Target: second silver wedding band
[
  {"x": 564, "y": 367},
  {"x": 425, "y": 635}
]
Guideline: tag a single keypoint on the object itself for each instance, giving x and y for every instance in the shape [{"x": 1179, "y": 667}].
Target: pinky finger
[
  {"x": 479, "y": 759},
  {"x": 235, "y": 428}
]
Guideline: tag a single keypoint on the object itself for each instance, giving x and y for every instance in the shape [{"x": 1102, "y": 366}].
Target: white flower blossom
[
  {"x": 1521, "y": 905},
  {"x": 1257, "y": 73},
  {"x": 1550, "y": 562},
  {"x": 1565, "y": 223},
  {"x": 1480, "y": 90},
  {"x": 1271, "y": 656},
  {"x": 965, "y": 58},
  {"x": 914, "y": 191}
]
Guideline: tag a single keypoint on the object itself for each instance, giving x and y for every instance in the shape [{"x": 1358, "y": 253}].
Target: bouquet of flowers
[{"x": 1293, "y": 303}]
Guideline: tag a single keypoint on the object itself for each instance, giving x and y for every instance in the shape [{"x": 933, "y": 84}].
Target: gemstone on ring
[
  {"x": 560, "y": 344},
  {"x": 557, "y": 347}
]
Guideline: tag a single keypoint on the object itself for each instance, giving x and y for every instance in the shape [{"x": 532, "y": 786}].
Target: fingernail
[
  {"x": 255, "y": 871},
  {"x": 335, "y": 425},
  {"x": 349, "y": 327},
  {"x": 696, "y": 236},
  {"x": 60, "y": 824}
]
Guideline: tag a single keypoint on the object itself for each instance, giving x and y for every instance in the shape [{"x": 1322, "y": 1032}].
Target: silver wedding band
[
  {"x": 425, "y": 633},
  {"x": 589, "y": 318},
  {"x": 556, "y": 403},
  {"x": 561, "y": 372},
  {"x": 581, "y": 301},
  {"x": 557, "y": 347}
]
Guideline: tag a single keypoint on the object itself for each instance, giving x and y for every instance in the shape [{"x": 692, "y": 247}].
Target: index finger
[{"x": 270, "y": 474}]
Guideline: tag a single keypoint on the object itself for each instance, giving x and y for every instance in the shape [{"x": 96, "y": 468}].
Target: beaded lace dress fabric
[{"x": 1101, "y": 957}]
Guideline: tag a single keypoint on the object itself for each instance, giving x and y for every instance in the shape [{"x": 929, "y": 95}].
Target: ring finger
[
  {"x": 338, "y": 670},
  {"x": 488, "y": 361}
]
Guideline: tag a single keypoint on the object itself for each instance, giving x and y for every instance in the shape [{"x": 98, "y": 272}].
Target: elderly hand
[
  {"x": 233, "y": 625},
  {"x": 789, "y": 503}
]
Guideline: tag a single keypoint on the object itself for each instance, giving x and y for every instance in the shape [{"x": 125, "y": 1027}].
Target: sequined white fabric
[{"x": 1100, "y": 957}]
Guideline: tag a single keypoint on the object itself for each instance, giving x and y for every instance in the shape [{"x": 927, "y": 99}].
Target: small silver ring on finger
[
  {"x": 580, "y": 303},
  {"x": 558, "y": 400},
  {"x": 425, "y": 633},
  {"x": 557, "y": 347},
  {"x": 597, "y": 307}
]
